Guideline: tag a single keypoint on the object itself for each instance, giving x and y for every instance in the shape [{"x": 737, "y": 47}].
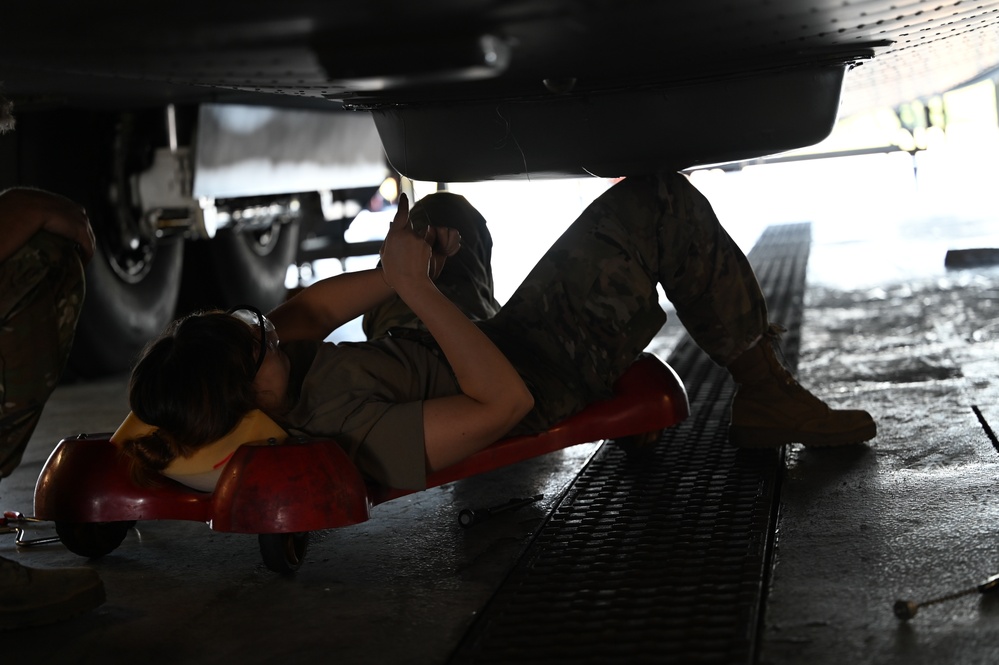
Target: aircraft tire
[
  {"x": 119, "y": 317},
  {"x": 239, "y": 268}
]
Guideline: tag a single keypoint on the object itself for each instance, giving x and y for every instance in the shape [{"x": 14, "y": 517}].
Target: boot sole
[{"x": 770, "y": 437}]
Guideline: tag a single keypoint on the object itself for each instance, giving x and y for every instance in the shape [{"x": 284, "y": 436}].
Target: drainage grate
[{"x": 663, "y": 559}]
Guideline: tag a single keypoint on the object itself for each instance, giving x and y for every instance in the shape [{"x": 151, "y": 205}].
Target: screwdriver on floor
[
  {"x": 467, "y": 518},
  {"x": 906, "y": 609}
]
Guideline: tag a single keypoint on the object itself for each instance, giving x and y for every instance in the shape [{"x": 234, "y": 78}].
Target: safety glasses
[{"x": 252, "y": 317}]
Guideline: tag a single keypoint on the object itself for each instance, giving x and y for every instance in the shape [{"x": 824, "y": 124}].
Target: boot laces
[{"x": 773, "y": 336}]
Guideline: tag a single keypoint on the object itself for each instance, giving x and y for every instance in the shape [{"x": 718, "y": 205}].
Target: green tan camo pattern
[
  {"x": 590, "y": 306},
  {"x": 41, "y": 294}
]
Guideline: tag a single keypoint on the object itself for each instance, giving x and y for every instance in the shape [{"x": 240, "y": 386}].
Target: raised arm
[
  {"x": 317, "y": 310},
  {"x": 494, "y": 397}
]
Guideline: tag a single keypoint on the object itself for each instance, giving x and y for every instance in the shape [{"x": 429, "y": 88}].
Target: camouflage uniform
[
  {"x": 590, "y": 305},
  {"x": 41, "y": 293}
]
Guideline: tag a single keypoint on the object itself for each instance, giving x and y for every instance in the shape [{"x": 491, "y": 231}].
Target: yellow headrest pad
[
  {"x": 131, "y": 428},
  {"x": 255, "y": 426}
]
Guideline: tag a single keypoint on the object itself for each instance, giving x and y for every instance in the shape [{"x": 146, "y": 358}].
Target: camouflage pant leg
[
  {"x": 591, "y": 305},
  {"x": 707, "y": 276},
  {"x": 41, "y": 293},
  {"x": 467, "y": 277}
]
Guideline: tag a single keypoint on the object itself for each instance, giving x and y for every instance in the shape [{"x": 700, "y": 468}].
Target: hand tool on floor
[
  {"x": 906, "y": 609},
  {"x": 16, "y": 523},
  {"x": 467, "y": 518}
]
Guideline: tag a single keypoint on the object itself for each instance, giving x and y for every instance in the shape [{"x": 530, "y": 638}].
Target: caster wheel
[
  {"x": 639, "y": 446},
  {"x": 92, "y": 539},
  {"x": 283, "y": 552}
]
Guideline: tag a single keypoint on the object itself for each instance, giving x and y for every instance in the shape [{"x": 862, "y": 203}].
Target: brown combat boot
[
  {"x": 36, "y": 596},
  {"x": 770, "y": 408}
]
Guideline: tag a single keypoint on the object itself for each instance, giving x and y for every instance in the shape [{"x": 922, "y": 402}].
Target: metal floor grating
[{"x": 663, "y": 559}]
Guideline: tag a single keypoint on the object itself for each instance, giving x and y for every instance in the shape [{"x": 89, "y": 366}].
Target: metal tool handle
[
  {"x": 468, "y": 518},
  {"x": 14, "y": 522}
]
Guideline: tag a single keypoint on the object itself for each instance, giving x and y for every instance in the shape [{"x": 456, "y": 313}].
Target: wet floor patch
[{"x": 913, "y": 514}]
